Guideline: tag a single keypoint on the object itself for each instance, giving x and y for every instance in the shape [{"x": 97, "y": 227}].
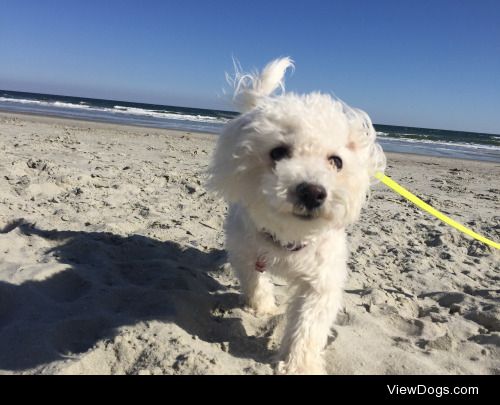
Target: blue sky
[{"x": 418, "y": 63}]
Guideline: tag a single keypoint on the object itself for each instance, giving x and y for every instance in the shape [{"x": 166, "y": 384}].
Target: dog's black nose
[{"x": 311, "y": 195}]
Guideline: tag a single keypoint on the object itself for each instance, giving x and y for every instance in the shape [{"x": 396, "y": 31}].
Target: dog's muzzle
[{"x": 311, "y": 196}]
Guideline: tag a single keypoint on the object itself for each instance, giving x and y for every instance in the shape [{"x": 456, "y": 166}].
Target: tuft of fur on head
[
  {"x": 249, "y": 88},
  {"x": 314, "y": 126}
]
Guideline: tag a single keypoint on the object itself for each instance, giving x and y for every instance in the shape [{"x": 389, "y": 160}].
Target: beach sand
[{"x": 112, "y": 262}]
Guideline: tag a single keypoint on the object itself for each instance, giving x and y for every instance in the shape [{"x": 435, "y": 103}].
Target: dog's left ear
[
  {"x": 249, "y": 88},
  {"x": 370, "y": 160},
  {"x": 362, "y": 140}
]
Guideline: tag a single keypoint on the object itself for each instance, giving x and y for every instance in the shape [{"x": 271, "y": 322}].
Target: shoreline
[{"x": 33, "y": 117}]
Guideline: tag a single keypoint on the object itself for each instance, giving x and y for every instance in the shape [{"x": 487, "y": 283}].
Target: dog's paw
[
  {"x": 263, "y": 306},
  {"x": 288, "y": 368}
]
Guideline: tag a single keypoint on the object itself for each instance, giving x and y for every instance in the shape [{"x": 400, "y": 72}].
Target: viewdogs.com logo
[{"x": 429, "y": 390}]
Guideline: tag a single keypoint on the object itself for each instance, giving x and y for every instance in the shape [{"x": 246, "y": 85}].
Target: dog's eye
[
  {"x": 336, "y": 162},
  {"x": 279, "y": 153}
]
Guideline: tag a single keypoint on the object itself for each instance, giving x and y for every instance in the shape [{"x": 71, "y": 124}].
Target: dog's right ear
[
  {"x": 231, "y": 162},
  {"x": 249, "y": 88}
]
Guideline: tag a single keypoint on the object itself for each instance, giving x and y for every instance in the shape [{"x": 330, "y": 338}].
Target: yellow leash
[{"x": 426, "y": 207}]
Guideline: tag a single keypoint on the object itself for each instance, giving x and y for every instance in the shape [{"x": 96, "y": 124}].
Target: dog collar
[
  {"x": 290, "y": 246},
  {"x": 261, "y": 263}
]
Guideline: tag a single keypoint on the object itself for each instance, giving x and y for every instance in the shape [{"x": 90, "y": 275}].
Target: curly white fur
[{"x": 266, "y": 216}]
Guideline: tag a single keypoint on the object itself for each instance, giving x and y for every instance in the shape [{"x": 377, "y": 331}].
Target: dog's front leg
[
  {"x": 309, "y": 318},
  {"x": 257, "y": 287}
]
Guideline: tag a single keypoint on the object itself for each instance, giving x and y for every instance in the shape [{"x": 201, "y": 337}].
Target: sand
[{"x": 112, "y": 262}]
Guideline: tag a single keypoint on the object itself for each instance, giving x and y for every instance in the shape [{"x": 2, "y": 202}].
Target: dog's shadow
[{"x": 100, "y": 282}]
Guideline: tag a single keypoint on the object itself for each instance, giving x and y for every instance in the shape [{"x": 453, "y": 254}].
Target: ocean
[{"x": 423, "y": 141}]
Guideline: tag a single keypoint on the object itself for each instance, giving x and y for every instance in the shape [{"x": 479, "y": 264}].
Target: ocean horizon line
[{"x": 235, "y": 113}]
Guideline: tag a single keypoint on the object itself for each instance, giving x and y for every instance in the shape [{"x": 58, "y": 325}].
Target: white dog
[{"x": 295, "y": 170}]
